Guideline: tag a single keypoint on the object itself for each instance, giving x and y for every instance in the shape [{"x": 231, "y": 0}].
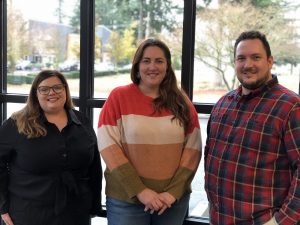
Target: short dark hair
[{"x": 253, "y": 34}]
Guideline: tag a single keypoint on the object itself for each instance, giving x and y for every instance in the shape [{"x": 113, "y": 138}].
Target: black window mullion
[
  {"x": 3, "y": 58},
  {"x": 188, "y": 40},
  {"x": 87, "y": 31}
]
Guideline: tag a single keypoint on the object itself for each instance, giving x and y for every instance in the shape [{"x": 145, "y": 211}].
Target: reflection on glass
[
  {"x": 42, "y": 35},
  {"x": 219, "y": 23},
  {"x": 120, "y": 28}
]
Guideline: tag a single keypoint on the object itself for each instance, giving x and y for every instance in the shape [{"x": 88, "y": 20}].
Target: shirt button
[{"x": 216, "y": 206}]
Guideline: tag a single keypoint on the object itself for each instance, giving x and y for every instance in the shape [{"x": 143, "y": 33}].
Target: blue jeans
[{"x": 124, "y": 213}]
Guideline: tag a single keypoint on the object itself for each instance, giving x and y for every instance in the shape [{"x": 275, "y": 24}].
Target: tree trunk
[{"x": 141, "y": 19}]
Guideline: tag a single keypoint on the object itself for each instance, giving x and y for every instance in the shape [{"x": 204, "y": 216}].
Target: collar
[
  {"x": 269, "y": 85},
  {"x": 72, "y": 118}
]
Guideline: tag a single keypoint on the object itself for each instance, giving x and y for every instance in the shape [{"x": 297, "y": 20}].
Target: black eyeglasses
[{"x": 45, "y": 90}]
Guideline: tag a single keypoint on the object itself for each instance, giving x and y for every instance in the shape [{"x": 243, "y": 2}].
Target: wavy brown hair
[
  {"x": 170, "y": 96},
  {"x": 28, "y": 119}
]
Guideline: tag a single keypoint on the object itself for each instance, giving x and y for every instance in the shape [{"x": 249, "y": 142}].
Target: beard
[{"x": 252, "y": 85}]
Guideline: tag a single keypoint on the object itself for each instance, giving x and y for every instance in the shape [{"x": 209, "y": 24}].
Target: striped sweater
[{"x": 143, "y": 148}]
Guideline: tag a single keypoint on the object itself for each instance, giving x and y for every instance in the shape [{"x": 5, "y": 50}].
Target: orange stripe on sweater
[
  {"x": 190, "y": 159},
  {"x": 113, "y": 156},
  {"x": 154, "y": 161}
]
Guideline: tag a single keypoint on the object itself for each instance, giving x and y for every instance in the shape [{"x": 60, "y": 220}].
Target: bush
[
  {"x": 28, "y": 79},
  {"x": 71, "y": 75},
  {"x": 108, "y": 73},
  {"x": 16, "y": 79}
]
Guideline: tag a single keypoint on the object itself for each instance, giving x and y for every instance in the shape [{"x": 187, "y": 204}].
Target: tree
[
  {"x": 122, "y": 48},
  {"x": 75, "y": 19},
  {"x": 255, "y": 3},
  {"x": 59, "y": 11},
  {"x": 17, "y": 33},
  {"x": 115, "y": 48},
  {"x": 98, "y": 49},
  {"x": 128, "y": 42},
  {"x": 151, "y": 15},
  {"x": 220, "y": 27},
  {"x": 161, "y": 14}
]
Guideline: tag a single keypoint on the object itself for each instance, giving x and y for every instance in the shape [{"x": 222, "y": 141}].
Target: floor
[{"x": 99, "y": 221}]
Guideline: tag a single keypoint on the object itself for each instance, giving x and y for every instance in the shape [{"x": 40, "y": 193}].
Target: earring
[{"x": 138, "y": 75}]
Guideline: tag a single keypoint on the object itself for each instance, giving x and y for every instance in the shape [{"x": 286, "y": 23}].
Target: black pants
[{"x": 28, "y": 212}]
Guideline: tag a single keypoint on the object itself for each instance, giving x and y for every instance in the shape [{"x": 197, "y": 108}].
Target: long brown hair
[
  {"x": 170, "y": 96},
  {"x": 28, "y": 119}
]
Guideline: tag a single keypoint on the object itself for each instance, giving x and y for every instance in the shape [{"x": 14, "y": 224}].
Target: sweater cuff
[
  {"x": 181, "y": 183},
  {"x": 130, "y": 180}
]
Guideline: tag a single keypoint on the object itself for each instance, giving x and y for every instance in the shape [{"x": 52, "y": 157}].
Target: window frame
[{"x": 86, "y": 102}]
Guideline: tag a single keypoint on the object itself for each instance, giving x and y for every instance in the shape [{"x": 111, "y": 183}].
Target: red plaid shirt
[{"x": 252, "y": 157}]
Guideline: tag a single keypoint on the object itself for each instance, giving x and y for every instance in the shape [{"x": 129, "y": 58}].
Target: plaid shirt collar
[{"x": 237, "y": 94}]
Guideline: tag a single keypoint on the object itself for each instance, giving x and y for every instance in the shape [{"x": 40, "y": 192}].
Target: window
[
  {"x": 120, "y": 28},
  {"x": 86, "y": 40},
  {"x": 41, "y": 37},
  {"x": 219, "y": 23}
]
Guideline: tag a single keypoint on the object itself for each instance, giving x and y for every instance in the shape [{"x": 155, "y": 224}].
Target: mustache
[{"x": 249, "y": 70}]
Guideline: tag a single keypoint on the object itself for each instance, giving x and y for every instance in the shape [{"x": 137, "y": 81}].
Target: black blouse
[{"x": 53, "y": 168}]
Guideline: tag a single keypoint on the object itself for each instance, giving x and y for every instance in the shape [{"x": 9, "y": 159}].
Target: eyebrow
[
  {"x": 50, "y": 86},
  {"x": 254, "y": 54},
  {"x": 154, "y": 58}
]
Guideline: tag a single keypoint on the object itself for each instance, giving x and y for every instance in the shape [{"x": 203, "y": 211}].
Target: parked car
[
  {"x": 69, "y": 65},
  {"x": 103, "y": 66},
  {"x": 22, "y": 65},
  {"x": 127, "y": 66}
]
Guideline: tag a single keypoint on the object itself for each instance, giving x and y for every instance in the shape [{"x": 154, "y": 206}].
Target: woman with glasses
[{"x": 50, "y": 170}]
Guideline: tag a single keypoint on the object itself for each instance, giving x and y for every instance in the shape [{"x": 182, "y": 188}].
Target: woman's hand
[
  {"x": 150, "y": 199},
  {"x": 6, "y": 218},
  {"x": 167, "y": 200}
]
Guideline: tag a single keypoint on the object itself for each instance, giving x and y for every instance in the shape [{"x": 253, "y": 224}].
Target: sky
[{"x": 42, "y": 10}]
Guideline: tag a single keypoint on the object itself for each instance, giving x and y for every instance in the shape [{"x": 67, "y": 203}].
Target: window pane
[
  {"x": 96, "y": 112},
  {"x": 42, "y": 37},
  {"x": 217, "y": 27},
  {"x": 13, "y": 107},
  {"x": 119, "y": 29},
  {"x": 198, "y": 201}
]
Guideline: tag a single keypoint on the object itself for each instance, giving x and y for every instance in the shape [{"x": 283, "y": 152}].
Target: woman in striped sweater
[{"x": 149, "y": 138}]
